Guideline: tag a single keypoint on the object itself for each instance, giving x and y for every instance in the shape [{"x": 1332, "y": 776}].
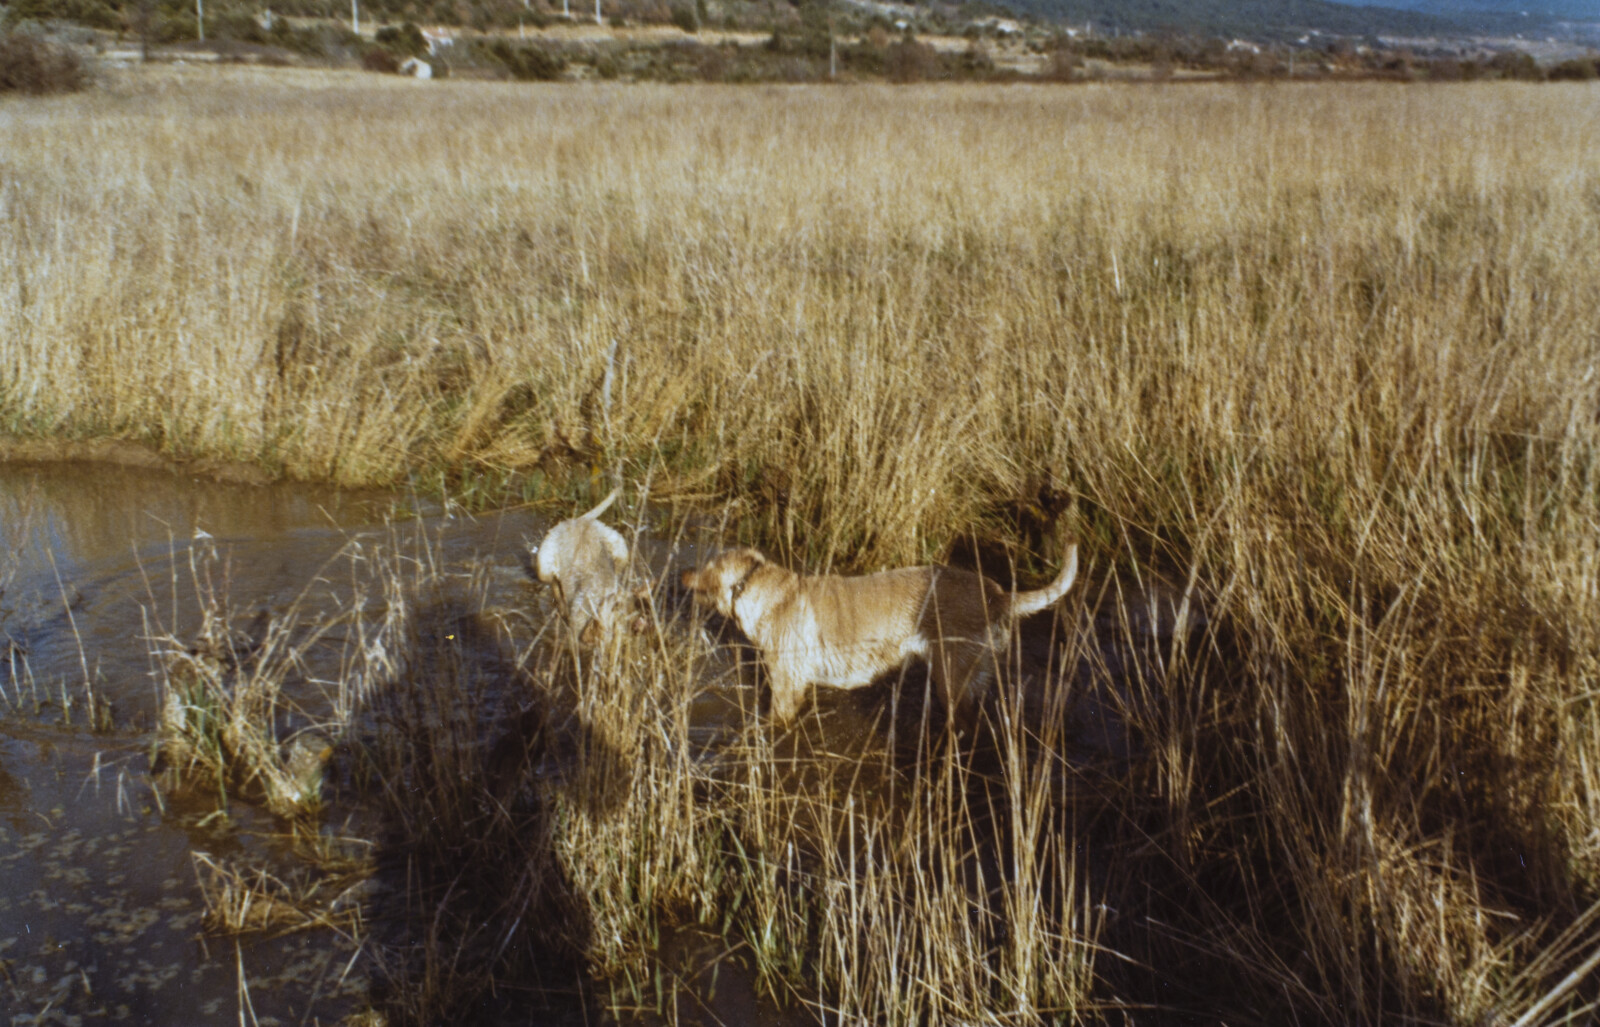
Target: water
[{"x": 99, "y": 907}]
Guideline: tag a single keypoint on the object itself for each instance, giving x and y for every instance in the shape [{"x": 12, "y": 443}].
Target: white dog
[
  {"x": 847, "y": 631},
  {"x": 587, "y": 564}
]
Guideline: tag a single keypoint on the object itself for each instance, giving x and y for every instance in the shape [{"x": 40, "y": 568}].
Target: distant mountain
[
  {"x": 1573, "y": 10},
  {"x": 1259, "y": 19},
  {"x": 1249, "y": 18}
]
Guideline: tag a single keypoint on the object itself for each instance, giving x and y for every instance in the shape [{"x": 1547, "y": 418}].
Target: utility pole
[
  {"x": 833, "y": 50},
  {"x": 597, "y": 20},
  {"x": 355, "y": 18},
  {"x": 200, "y": 18}
]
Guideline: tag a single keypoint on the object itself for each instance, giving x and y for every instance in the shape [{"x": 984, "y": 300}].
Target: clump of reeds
[
  {"x": 221, "y": 704},
  {"x": 241, "y": 899}
]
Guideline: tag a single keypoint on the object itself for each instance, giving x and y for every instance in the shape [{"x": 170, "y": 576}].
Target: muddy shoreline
[{"x": 115, "y": 452}]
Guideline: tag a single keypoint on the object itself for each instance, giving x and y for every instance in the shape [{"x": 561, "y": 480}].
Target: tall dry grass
[
  {"x": 1325, "y": 357},
  {"x": 517, "y": 832}
]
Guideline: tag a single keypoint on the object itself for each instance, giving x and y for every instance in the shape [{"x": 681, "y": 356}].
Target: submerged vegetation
[{"x": 1323, "y": 359}]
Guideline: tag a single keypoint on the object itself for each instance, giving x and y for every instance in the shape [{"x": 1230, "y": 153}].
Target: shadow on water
[
  {"x": 473, "y": 918},
  {"x": 429, "y": 886}
]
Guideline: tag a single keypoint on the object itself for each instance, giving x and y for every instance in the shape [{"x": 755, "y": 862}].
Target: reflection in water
[
  {"x": 99, "y": 912},
  {"x": 85, "y": 515},
  {"x": 98, "y": 556},
  {"x": 100, "y": 909}
]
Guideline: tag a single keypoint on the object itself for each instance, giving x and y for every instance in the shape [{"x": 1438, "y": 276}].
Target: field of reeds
[{"x": 1320, "y": 361}]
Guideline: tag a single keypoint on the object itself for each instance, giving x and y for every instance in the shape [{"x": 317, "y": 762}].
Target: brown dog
[
  {"x": 847, "y": 631},
  {"x": 587, "y": 562}
]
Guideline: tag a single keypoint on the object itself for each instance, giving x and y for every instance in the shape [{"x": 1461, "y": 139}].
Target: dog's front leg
[{"x": 786, "y": 695}]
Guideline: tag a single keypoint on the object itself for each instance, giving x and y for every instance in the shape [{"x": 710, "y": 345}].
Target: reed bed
[
  {"x": 526, "y": 830},
  {"x": 1323, "y": 359}
]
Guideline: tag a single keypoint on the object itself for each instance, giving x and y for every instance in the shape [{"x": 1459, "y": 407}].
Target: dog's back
[
  {"x": 584, "y": 561},
  {"x": 846, "y": 631}
]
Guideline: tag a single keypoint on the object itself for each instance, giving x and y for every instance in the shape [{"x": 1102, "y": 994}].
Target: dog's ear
[{"x": 739, "y": 563}]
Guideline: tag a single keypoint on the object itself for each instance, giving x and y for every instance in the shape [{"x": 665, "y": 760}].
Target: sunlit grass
[{"x": 1324, "y": 356}]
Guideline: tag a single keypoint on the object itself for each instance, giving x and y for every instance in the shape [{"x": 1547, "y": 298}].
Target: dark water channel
[{"x": 99, "y": 908}]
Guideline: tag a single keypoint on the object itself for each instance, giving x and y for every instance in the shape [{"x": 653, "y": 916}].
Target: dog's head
[{"x": 722, "y": 580}]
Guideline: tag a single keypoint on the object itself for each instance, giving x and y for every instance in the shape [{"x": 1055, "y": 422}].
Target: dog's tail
[
  {"x": 605, "y": 504},
  {"x": 1026, "y": 603}
]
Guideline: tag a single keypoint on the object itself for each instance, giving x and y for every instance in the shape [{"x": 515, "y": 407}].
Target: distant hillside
[
  {"x": 1254, "y": 18},
  {"x": 1574, "y": 10}
]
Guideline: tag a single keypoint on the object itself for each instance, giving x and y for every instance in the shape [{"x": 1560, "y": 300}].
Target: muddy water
[{"x": 99, "y": 908}]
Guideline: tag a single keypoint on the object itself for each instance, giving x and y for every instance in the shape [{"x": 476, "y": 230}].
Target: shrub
[
  {"x": 327, "y": 41},
  {"x": 686, "y": 18},
  {"x": 712, "y": 64},
  {"x": 404, "y": 40},
  {"x": 238, "y": 25},
  {"x": 793, "y": 69},
  {"x": 31, "y": 64},
  {"x": 1400, "y": 67},
  {"x": 1061, "y": 66},
  {"x": 380, "y": 60},
  {"x": 1516, "y": 65},
  {"x": 910, "y": 61},
  {"x": 1578, "y": 69},
  {"x": 975, "y": 61},
  {"x": 94, "y": 13},
  {"x": 528, "y": 63},
  {"x": 173, "y": 27},
  {"x": 863, "y": 57}
]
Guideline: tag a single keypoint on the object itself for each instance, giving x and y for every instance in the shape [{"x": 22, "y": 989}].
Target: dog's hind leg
[{"x": 963, "y": 672}]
